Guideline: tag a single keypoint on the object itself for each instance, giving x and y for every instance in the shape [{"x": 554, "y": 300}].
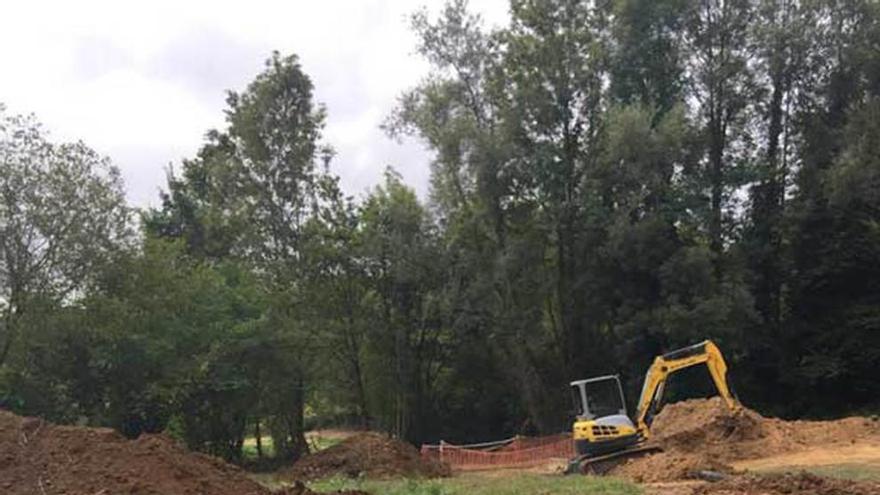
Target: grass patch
[
  {"x": 316, "y": 443},
  {"x": 488, "y": 484},
  {"x": 249, "y": 447}
]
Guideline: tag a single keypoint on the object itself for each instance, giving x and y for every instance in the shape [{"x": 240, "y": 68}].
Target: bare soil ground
[
  {"x": 863, "y": 452},
  {"x": 40, "y": 458},
  {"x": 788, "y": 484},
  {"x": 703, "y": 434},
  {"x": 755, "y": 454},
  {"x": 37, "y": 457},
  {"x": 800, "y": 483}
]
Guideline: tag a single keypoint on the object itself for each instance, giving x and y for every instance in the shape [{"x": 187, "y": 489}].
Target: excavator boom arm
[{"x": 663, "y": 366}]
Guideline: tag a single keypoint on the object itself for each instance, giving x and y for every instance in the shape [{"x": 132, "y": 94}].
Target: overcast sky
[{"x": 142, "y": 82}]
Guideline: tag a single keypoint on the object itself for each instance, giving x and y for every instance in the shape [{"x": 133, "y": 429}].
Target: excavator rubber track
[{"x": 601, "y": 464}]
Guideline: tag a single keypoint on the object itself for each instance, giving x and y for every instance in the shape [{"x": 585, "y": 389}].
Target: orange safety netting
[{"x": 517, "y": 451}]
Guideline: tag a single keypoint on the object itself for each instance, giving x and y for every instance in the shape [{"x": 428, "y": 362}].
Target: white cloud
[{"x": 143, "y": 81}]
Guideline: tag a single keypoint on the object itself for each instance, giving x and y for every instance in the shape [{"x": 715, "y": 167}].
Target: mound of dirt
[
  {"x": 788, "y": 484},
  {"x": 366, "y": 454},
  {"x": 37, "y": 457},
  {"x": 702, "y": 434},
  {"x": 669, "y": 466}
]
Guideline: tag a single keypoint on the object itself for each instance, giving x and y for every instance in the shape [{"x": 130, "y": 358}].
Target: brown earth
[
  {"x": 40, "y": 458},
  {"x": 702, "y": 434},
  {"x": 788, "y": 484},
  {"x": 366, "y": 454},
  {"x": 862, "y": 452},
  {"x": 37, "y": 457}
]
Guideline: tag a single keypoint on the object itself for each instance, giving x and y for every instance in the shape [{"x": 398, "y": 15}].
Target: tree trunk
[
  {"x": 299, "y": 446},
  {"x": 7, "y": 334},
  {"x": 361, "y": 395},
  {"x": 768, "y": 217},
  {"x": 259, "y": 436},
  {"x": 716, "y": 178},
  {"x": 9, "y": 328},
  {"x": 353, "y": 344}
]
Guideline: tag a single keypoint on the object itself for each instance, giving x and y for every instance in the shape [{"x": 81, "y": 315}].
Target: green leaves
[
  {"x": 257, "y": 199},
  {"x": 609, "y": 180},
  {"x": 62, "y": 217}
]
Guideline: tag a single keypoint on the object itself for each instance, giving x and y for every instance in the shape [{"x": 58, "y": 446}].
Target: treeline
[{"x": 610, "y": 180}]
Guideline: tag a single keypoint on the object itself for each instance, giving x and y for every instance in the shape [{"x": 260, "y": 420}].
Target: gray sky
[{"x": 142, "y": 82}]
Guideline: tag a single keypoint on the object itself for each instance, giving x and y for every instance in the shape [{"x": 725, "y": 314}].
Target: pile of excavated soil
[
  {"x": 366, "y": 454},
  {"x": 669, "y": 466},
  {"x": 703, "y": 434},
  {"x": 40, "y": 458},
  {"x": 788, "y": 484},
  {"x": 37, "y": 457}
]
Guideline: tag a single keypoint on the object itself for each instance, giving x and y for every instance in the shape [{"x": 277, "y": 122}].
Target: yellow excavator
[{"x": 603, "y": 431}]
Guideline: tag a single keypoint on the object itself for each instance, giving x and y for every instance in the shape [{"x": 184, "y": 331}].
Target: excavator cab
[
  {"x": 602, "y": 425},
  {"x": 598, "y": 397}
]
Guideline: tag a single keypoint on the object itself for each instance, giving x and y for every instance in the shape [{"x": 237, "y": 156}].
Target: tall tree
[
  {"x": 275, "y": 127},
  {"x": 403, "y": 264},
  {"x": 720, "y": 82},
  {"x": 830, "y": 331},
  {"x": 783, "y": 37},
  {"x": 200, "y": 204},
  {"x": 62, "y": 215},
  {"x": 555, "y": 62},
  {"x": 251, "y": 195},
  {"x": 647, "y": 63}
]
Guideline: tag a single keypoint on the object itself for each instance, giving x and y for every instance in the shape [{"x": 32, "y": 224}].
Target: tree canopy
[{"x": 609, "y": 181}]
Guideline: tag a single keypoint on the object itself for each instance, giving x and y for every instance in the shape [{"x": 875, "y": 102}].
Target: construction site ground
[
  {"x": 825, "y": 457},
  {"x": 753, "y": 455}
]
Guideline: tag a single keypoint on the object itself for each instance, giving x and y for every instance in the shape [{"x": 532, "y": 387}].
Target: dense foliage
[{"x": 610, "y": 180}]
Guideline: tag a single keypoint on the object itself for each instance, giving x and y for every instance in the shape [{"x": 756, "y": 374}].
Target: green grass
[
  {"x": 249, "y": 447},
  {"x": 475, "y": 484},
  {"x": 316, "y": 443}
]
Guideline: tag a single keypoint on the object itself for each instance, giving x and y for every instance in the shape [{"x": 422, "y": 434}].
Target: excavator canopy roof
[{"x": 595, "y": 379}]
